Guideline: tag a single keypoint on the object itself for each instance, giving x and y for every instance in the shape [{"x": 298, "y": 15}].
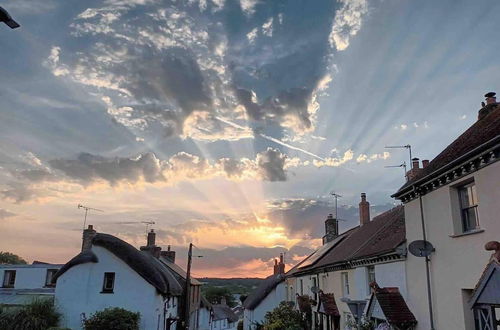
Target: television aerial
[{"x": 421, "y": 248}]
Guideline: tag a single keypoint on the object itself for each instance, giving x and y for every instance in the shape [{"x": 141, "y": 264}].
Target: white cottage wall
[
  {"x": 458, "y": 261},
  {"x": 28, "y": 276},
  {"x": 79, "y": 291},
  {"x": 270, "y": 302}
]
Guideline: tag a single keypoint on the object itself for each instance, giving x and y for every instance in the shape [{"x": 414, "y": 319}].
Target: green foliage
[
  {"x": 38, "y": 315},
  {"x": 364, "y": 324},
  {"x": 7, "y": 258},
  {"x": 214, "y": 295},
  {"x": 113, "y": 319},
  {"x": 243, "y": 286},
  {"x": 240, "y": 325},
  {"x": 284, "y": 317}
]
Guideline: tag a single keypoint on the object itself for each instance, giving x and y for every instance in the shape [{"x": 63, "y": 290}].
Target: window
[
  {"x": 301, "y": 287},
  {"x": 109, "y": 283},
  {"x": 49, "y": 278},
  {"x": 370, "y": 277},
  {"x": 345, "y": 283},
  {"x": 9, "y": 278},
  {"x": 468, "y": 207},
  {"x": 314, "y": 288}
]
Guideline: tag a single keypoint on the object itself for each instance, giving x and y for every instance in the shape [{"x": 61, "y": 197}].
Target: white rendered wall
[
  {"x": 28, "y": 276},
  {"x": 78, "y": 291},
  {"x": 270, "y": 302},
  {"x": 457, "y": 262}
]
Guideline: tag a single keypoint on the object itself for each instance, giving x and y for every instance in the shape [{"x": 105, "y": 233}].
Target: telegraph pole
[{"x": 187, "y": 297}]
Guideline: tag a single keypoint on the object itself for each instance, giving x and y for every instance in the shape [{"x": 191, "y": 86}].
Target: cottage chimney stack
[
  {"x": 169, "y": 255},
  {"x": 425, "y": 163},
  {"x": 88, "y": 236},
  {"x": 331, "y": 229},
  {"x": 490, "y": 106},
  {"x": 151, "y": 238},
  {"x": 415, "y": 169},
  {"x": 364, "y": 210}
]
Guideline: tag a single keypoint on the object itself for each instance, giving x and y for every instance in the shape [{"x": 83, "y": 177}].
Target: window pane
[
  {"x": 464, "y": 197},
  {"x": 469, "y": 219},
  {"x": 473, "y": 194}
]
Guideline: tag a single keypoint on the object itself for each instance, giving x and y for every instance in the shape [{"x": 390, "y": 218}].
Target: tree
[
  {"x": 38, "y": 315},
  {"x": 11, "y": 259},
  {"x": 214, "y": 295},
  {"x": 113, "y": 319},
  {"x": 284, "y": 317}
]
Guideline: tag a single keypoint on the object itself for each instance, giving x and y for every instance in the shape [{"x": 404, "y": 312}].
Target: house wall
[
  {"x": 28, "y": 276},
  {"x": 270, "y": 302},
  {"x": 79, "y": 291},
  {"x": 224, "y": 325},
  {"x": 458, "y": 262},
  {"x": 204, "y": 321}
]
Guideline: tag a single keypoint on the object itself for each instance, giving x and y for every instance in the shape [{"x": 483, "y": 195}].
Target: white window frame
[{"x": 345, "y": 284}]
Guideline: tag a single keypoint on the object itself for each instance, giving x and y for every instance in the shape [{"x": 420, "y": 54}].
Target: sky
[{"x": 226, "y": 122}]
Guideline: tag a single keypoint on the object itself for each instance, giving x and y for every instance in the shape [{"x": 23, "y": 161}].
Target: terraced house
[{"x": 332, "y": 285}]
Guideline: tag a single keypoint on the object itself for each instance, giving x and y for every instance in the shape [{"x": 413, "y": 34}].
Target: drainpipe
[{"x": 427, "y": 260}]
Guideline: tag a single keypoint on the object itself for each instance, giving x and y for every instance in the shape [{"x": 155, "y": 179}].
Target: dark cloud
[
  {"x": 271, "y": 165},
  {"x": 19, "y": 192},
  {"x": 304, "y": 217},
  {"x": 36, "y": 175},
  {"x": 88, "y": 167},
  {"x": 166, "y": 60}
]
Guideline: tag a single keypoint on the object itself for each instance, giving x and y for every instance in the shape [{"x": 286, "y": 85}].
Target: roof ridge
[{"x": 376, "y": 232}]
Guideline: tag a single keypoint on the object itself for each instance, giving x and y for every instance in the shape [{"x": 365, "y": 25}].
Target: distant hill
[{"x": 242, "y": 286}]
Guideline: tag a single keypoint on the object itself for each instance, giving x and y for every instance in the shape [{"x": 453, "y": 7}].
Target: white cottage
[
  {"x": 21, "y": 284},
  {"x": 112, "y": 273},
  {"x": 265, "y": 298}
]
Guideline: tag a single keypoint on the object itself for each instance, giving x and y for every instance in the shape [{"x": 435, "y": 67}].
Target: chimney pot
[
  {"x": 415, "y": 163},
  {"x": 364, "y": 210},
  {"x": 490, "y": 98},
  {"x": 425, "y": 163},
  {"x": 151, "y": 240}
]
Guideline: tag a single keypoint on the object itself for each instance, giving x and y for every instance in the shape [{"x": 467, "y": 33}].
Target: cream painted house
[
  {"x": 456, "y": 198},
  {"x": 332, "y": 285}
]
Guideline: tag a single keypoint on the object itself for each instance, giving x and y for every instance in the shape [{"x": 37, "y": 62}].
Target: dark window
[
  {"x": 49, "y": 279},
  {"x": 9, "y": 278},
  {"x": 109, "y": 283},
  {"x": 468, "y": 207},
  {"x": 370, "y": 272}
]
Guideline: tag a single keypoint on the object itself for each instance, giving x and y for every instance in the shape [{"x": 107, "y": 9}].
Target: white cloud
[
  {"x": 347, "y": 22},
  {"x": 267, "y": 28},
  {"x": 248, "y": 6},
  {"x": 462, "y": 117},
  {"x": 252, "y": 35}
]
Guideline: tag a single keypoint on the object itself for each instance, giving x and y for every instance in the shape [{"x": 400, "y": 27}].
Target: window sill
[
  {"x": 471, "y": 232},
  {"x": 107, "y": 292},
  {"x": 8, "y": 287}
]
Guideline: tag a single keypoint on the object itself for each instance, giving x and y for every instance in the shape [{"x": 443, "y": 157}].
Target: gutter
[{"x": 459, "y": 160}]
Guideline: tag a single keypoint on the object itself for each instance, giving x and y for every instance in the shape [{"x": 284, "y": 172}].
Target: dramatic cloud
[{"x": 177, "y": 64}]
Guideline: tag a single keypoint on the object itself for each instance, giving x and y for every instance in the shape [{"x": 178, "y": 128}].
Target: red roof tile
[{"x": 394, "y": 307}]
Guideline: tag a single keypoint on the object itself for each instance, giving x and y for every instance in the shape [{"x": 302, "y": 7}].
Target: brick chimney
[
  {"x": 331, "y": 229},
  {"x": 169, "y": 255},
  {"x": 415, "y": 169},
  {"x": 364, "y": 210},
  {"x": 88, "y": 236},
  {"x": 279, "y": 268},
  {"x": 151, "y": 245},
  {"x": 491, "y": 105},
  {"x": 425, "y": 163}
]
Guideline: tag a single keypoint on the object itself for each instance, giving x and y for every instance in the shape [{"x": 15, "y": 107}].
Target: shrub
[
  {"x": 284, "y": 317},
  {"x": 113, "y": 319},
  {"x": 38, "y": 315}
]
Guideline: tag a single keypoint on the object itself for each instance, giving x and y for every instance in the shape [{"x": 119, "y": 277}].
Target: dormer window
[
  {"x": 468, "y": 207},
  {"x": 109, "y": 283},
  {"x": 9, "y": 279},
  {"x": 49, "y": 278}
]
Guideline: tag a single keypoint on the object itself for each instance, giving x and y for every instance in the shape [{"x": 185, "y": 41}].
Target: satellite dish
[
  {"x": 421, "y": 248},
  {"x": 314, "y": 289}
]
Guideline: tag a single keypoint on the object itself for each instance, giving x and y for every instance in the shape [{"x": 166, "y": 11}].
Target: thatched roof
[
  {"x": 222, "y": 312},
  {"x": 143, "y": 263},
  {"x": 81, "y": 258},
  {"x": 254, "y": 299}
]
